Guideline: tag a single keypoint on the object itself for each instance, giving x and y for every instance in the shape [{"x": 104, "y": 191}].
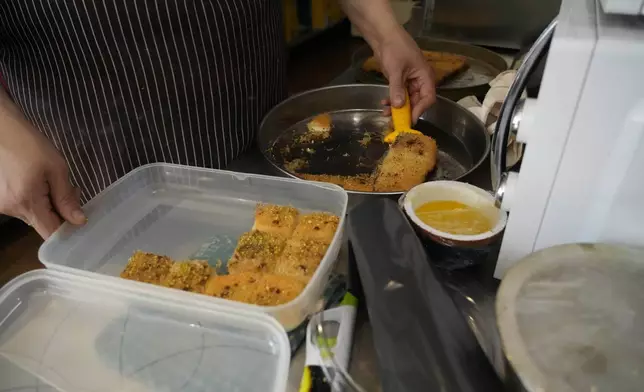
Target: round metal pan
[
  {"x": 482, "y": 66},
  {"x": 355, "y": 109}
]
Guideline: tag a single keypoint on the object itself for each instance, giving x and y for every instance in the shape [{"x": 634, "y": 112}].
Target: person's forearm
[
  {"x": 11, "y": 117},
  {"x": 5, "y": 100},
  {"x": 374, "y": 18},
  {"x": 7, "y": 106}
]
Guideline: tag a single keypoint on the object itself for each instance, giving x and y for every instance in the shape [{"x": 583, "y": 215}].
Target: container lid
[
  {"x": 70, "y": 333},
  {"x": 571, "y": 318}
]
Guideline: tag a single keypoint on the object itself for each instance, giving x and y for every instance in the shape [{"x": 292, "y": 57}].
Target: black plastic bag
[{"x": 422, "y": 340}]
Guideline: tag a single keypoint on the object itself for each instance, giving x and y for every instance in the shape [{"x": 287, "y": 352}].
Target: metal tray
[
  {"x": 462, "y": 140},
  {"x": 483, "y": 66}
]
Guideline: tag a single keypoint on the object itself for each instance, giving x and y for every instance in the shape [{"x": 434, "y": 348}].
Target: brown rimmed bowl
[{"x": 461, "y": 192}]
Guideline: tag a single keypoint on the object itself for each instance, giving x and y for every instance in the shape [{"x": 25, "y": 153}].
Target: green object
[
  {"x": 325, "y": 348},
  {"x": 349, "y": 299},
  {"x": 330, "y": 342}
]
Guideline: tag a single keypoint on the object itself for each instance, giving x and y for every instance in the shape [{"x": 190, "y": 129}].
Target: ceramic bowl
[{"x": 461, "y": 192}]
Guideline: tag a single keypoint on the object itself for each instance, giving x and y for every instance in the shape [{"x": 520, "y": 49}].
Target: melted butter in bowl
[
  {"x": 454, "y": 213},
  {"x": 453, "y": 217}
]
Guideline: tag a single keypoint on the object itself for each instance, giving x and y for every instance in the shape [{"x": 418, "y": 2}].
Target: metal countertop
[{"x": 364, "y": 364}]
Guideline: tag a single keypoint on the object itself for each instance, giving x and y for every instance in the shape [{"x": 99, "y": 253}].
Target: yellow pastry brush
[{"x": 401, "y": 119}]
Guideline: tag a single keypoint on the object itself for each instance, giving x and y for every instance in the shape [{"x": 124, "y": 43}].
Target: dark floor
[{"x": 312, "y": 64}]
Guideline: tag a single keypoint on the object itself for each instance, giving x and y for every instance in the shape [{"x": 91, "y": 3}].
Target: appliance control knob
[{"x": 505, "y": 192}]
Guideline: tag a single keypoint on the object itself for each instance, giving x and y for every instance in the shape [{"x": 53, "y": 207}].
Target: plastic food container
[
  {"x": 184, "y": 213},
  {"x": 64, "y": 332}
]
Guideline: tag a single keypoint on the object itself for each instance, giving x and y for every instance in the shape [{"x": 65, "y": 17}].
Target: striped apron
[{"x": 115, "y": 84}]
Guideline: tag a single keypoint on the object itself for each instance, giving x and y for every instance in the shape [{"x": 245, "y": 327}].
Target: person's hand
[
  {"x": 34, "y": 182},
  {"x": 405, "y": 67}
]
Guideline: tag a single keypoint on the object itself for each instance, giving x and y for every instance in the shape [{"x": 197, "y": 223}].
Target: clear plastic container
[
  {"x": 182, "y": 212},
  {"x": 63, "y": 332}
]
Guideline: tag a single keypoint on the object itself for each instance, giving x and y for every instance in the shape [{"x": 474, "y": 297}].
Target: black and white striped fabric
[{"x": 116, "y": 84}]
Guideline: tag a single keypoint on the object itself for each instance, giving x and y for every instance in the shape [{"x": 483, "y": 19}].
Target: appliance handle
[{"x": 508, "y": 121}]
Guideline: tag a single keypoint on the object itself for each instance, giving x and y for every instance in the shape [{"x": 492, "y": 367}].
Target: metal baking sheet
[
  {"x": 356, "y": 111},
  {"x": 483, "y": 66},
  {"x": 356, "y": 147}
]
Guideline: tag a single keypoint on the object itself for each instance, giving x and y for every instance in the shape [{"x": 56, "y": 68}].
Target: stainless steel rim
[{"x": 507, "y": 117}]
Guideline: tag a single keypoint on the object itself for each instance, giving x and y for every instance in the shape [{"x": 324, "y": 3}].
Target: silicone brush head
[{"x": 401, "y": 120}]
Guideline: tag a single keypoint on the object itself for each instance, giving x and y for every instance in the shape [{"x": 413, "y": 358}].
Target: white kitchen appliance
[{"x": 582, "y": 175}]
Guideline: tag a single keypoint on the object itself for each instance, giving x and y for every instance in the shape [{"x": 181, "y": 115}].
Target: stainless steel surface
[
  {"x": 483, "y": 66},
  {"x": 500, "y": 190},
  {"x": 506, "y": 115},
  {"x": 364, "y": 364},
  {"x": 364, "y": 367},
  {"x": 496, "y": 23},
  {"x": 516, "y": 118},
  {"x": 447, "y": 116},
  {"x": 427, "y": 16}
]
